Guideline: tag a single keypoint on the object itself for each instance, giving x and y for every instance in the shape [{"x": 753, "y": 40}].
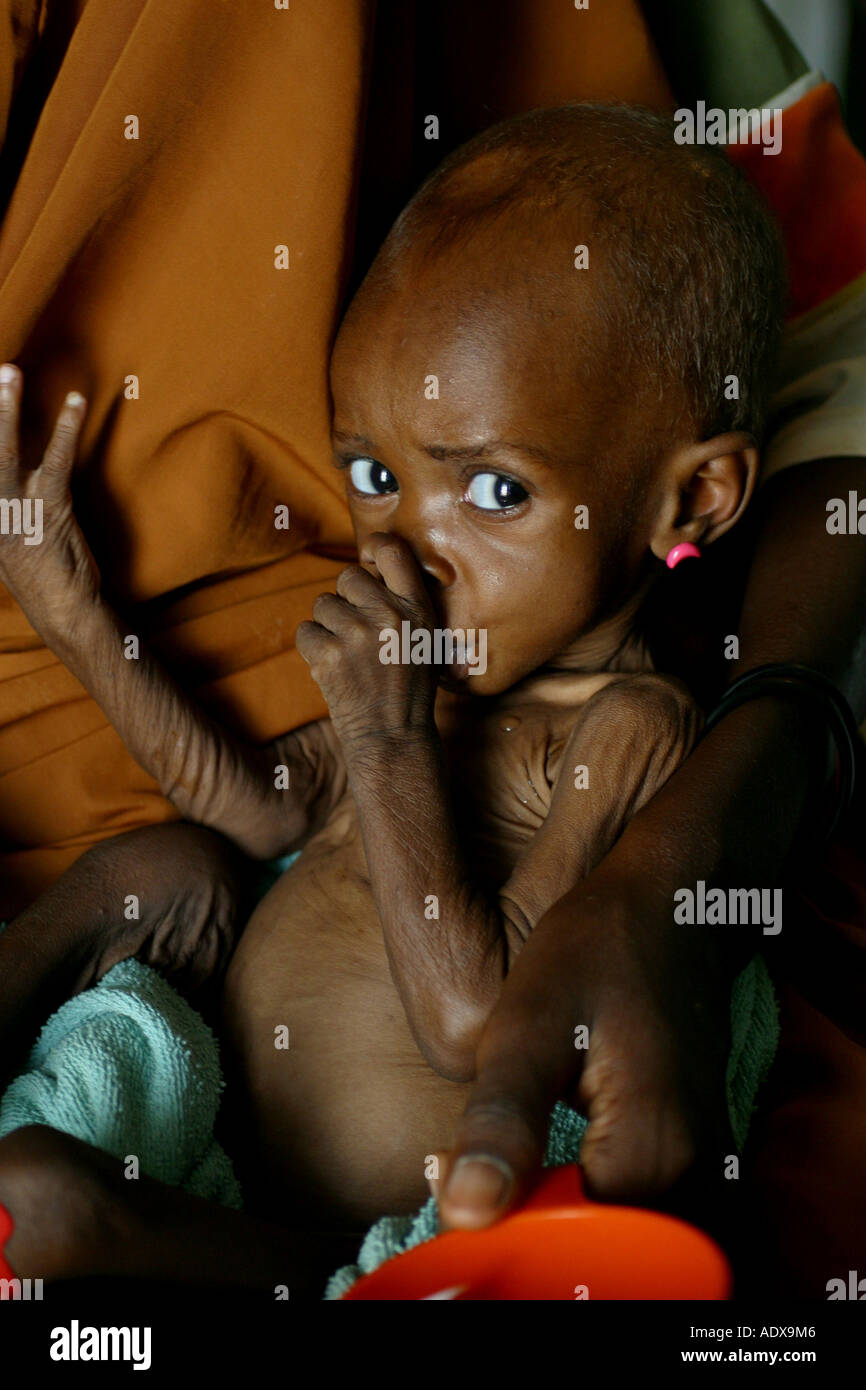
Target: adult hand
[{"x": 653, "y": 994}]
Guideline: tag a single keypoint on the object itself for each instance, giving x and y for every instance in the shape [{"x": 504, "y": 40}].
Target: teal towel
[
  {"x": 130, "y": 1067},
  {"x": 754, "y": 1038}
]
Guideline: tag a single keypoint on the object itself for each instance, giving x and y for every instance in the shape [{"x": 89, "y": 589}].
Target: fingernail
[
  {"x": 75, "y": 399},
  {"x": 479, "y": 1180},
  {"x": 8, "y": 373}
]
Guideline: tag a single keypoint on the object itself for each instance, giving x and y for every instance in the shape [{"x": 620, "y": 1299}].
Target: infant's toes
[{"x": 62, "y": 1197}]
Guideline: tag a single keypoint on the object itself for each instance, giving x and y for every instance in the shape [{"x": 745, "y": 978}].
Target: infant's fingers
[
  {"x": 334, "y": 614},
  {"x": 398, "y": 567},
  {"x": 366, "y": 593},
  {"x": 10, "y": 395},
  {"x": 311, "y": 640},
  {"x": 59, "y": 457}
]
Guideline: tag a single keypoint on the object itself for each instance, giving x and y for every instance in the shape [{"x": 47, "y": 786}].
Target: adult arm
[{"x": 656, "y": 995}]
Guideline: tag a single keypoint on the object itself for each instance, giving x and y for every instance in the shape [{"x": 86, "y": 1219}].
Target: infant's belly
[{"x": 337, "y": 1127}]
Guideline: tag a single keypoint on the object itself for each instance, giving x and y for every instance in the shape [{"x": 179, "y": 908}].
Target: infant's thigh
[{"x": 174, "y": 895}]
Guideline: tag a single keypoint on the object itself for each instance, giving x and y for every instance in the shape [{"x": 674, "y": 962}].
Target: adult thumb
[{"x": 497, "y": 1150}]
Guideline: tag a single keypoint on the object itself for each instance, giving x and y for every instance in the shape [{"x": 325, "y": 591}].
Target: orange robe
[{"x": 154, "y": 257}]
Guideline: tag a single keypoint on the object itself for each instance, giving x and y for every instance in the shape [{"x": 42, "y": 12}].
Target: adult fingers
[
  {"x": 638, "y": 1142},
  {"x": 498, "y": 1146}
]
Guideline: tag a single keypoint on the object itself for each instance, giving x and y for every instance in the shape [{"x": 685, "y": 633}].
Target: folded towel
[
  {"x": 130, "y": 1067},
  {"x": 754, "y": 1038}
]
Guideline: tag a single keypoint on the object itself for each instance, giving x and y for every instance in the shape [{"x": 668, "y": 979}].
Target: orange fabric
[
  {"x": 816, "y": 186},
  {"x": 154, "y": 257}
]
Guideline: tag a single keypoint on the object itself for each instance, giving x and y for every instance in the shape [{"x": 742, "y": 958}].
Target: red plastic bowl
[
  {"x": 559, "y": 1246},
  {"x": 6, "y": 1228}
]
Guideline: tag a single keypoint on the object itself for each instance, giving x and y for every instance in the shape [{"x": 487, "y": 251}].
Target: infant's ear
[{"x": 705, "y": 488}]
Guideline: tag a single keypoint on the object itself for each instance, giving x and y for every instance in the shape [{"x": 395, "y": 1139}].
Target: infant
[{"x": 553, "y": 375}]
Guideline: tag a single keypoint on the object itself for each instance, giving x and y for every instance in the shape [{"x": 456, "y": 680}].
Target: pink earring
[{"x": 684, "y": 551}]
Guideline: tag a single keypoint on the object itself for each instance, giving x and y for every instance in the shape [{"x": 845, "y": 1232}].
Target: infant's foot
[{"x": 66, "y": 1205}]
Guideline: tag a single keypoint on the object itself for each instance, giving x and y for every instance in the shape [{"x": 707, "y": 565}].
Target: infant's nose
[
  {"x": 436, "y": 572},
  {"x": 434, "y": 586}
]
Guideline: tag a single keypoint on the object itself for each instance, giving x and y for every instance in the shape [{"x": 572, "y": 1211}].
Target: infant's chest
[{"x": 502, "y": 766}]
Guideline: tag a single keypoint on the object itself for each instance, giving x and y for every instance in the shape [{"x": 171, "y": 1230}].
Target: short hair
[{"x": 693, "y": 245}]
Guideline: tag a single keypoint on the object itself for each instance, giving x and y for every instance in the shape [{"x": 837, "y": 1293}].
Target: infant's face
[{"x": 465, "y": 426}]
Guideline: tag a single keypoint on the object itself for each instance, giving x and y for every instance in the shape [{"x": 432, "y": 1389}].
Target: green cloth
[
  {"x": 130, "y": 1067},
  {"x": 754, "y": 1039}
]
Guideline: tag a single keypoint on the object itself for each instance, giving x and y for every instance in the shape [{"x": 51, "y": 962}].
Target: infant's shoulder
[
  {"x": 506, "y": 754},
  {"x": 554, "y": 712}
]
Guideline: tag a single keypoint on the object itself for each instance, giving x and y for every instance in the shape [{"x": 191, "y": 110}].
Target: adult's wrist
[
  {"x": 784, "y": 716},
  {"x": 786, "y": 727},
  {"x": 732, "y": 810}
]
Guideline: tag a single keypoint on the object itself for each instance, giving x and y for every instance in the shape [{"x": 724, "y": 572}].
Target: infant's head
[{"x": 540, "y": 422}]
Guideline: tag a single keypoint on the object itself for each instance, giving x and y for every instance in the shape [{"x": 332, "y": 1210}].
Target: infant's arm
[
  {"x": 212, "y": 777},
  {"x": 627, "y": 740},
  {"x": 449, "y": 969},
  {"x": 208, "y": 774}
]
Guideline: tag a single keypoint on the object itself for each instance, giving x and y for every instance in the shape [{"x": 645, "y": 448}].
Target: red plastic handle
[
  {"x": 558, "y": 1187},
  {"x": 7, "y": 1226},
  {"x": 559, "y": 1245}
]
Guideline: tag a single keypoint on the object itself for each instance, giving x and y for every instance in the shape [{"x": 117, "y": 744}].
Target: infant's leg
[
  {"x": 172, "y": 895},
  {"x": 76, "y": 1215}
]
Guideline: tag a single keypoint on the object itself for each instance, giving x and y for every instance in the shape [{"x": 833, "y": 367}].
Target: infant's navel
[{"x": 509, "y": 723}]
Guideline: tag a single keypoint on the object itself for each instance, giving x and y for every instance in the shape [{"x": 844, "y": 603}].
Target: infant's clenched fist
[{"x": 366, "y": 697}]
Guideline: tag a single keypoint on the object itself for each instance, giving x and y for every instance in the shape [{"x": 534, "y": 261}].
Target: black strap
[{"x": 786, "y": 677}]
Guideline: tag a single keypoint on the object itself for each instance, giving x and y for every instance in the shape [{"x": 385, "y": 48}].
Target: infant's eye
[
  {"x": 494, "y": 492},
  {"x": 371, "y": 477}
]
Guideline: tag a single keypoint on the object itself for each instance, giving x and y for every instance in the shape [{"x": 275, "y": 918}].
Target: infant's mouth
[{"x": 454, "y": 676}]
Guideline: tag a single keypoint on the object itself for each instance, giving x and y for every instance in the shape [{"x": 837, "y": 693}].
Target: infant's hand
[
  {"x": 366, "y": 697},
  {"x": 45, "y": 562}
]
